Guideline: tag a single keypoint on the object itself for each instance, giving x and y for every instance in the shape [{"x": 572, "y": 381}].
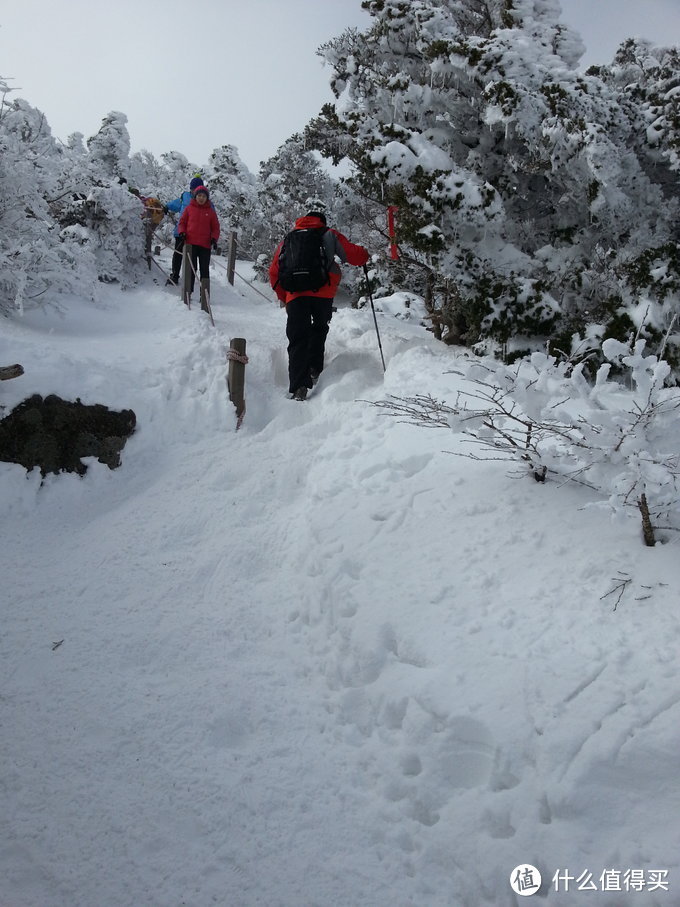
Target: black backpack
[{"x": 303, "y": 264}]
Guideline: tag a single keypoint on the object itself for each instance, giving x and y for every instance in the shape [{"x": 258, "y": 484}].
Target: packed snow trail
[{"x": 317, "y": 661}]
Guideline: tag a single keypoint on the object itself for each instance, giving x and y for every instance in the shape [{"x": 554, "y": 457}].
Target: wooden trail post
[
  {"x": 231, "y": 262},
  {"x": 205, "y": 294},
  {"x": 205, "y": 298},
  {"x": 236, "y": 377},
  {"x": 186, "y": 274}
]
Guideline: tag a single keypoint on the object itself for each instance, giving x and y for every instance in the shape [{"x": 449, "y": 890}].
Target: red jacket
[
  {"x": 336, "y": 245},
  {"x": 200, "y": 224}
]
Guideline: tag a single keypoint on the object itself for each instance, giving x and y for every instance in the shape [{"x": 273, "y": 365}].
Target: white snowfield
[{"x": 320, "y": 661}]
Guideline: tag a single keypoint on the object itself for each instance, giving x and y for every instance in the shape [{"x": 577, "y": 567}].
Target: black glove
[
  {"x": 213, "y": 243},
  {"x": 182, "y": 235}
]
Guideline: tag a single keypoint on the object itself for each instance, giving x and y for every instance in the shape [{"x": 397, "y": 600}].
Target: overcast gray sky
[{"x": 192, "y": 76}]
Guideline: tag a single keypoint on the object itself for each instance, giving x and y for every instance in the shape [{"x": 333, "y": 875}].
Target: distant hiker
[
  {"x": 305, "y": 276},
  {"x": 152, "y": 215},
  {"x": 178, "y": 206},
  {"x": 200, "y": 228}
]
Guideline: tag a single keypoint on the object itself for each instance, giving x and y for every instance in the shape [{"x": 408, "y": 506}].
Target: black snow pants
[
  {"x": 306, "y": 329},
  {"x": 200, "y": 257},
  {"x": 177, "y": 259}
]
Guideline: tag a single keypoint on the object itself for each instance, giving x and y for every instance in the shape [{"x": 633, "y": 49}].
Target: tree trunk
[
  {"x": 435, "y": 317},
  {"x": 647, "y": 528}
]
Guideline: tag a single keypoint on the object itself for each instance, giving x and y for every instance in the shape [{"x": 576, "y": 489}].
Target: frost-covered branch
[{"x": 545, "y": 415}]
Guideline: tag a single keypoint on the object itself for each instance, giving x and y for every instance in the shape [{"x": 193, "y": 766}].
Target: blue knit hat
[{"x": 196, "y": 181}]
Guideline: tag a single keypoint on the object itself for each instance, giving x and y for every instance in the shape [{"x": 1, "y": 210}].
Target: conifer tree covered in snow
[
  {"x": 110, "y": 147},
  {"x": 647, "y": 82},
  {"x": 523, "y": 186},
  {"x": 36, "y": 255},
  {"x": 291, "y": 182},
  {"x": 108, "y": 215},
  {"x": 233, "y": 190}
]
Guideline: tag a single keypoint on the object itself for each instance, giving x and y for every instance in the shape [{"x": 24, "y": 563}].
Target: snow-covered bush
[{"x": 616, "y": 437}]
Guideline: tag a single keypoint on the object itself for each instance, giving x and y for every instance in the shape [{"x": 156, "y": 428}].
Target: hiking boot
[
  {"x": 300, "y": 394},
  {"x": 172, "y": 281},
  {"x": 314, "y": 375}
]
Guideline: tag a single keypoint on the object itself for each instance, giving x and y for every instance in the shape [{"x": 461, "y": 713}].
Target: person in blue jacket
[{"x": 177, "y": 206}]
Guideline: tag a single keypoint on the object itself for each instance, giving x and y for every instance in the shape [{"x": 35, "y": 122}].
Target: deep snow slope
[{"x": 319, "y": 661}]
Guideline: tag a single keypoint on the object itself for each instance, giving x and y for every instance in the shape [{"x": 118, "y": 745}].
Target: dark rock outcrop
[{"x": 54, "y": 434}]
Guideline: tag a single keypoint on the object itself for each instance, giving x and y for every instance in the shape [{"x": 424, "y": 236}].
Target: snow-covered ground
[{"x": 318, "y": 662}]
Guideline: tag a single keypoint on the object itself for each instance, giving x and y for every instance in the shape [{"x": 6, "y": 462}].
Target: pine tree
[
  {"x": 519, "y": 198},
  {"x": 233, "y": 190},
  {"x": 291, "y": 182},
  {"x": 110, "y": 147}
]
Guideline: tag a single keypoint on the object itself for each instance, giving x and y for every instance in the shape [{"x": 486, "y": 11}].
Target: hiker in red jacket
[
  {"x": 308, "y": 312},
  {"x": 200, "y": 228}
]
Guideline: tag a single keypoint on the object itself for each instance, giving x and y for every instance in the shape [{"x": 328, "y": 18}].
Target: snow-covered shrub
[
  {"x": 617, "y": 438},
  {"x": 620, "y": 439},
  {"x": 112, "y": 215}
]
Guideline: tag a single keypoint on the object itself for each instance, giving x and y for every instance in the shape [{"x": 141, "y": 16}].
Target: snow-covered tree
[
  {"x": 521, "y": 196},
  {"x": 233, "y": 190},
  {"x": 647, "y": 80},
  {"x": 292, "y": 182},
  {"x": 98, "y": 210},
  {"x": 37, "y": 258},
  {"x": 110, "y": 147}
]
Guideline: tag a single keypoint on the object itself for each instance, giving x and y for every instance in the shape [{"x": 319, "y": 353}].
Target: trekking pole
[
  {"x": 375, "y": 320},
  {"x": 221, "y": 267},
  {"x": 153, "y": 261},
  {"x": 204, "y": 293}
]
